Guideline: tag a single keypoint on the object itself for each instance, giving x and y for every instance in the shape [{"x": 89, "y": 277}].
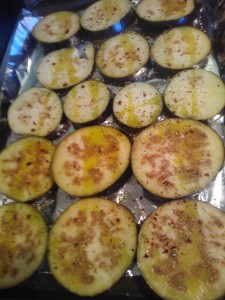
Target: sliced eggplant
[
  {"x": 180, "y": 48},
  {"x": 37, "y": 111},
  {"x": 86, "y": 101},
  {"x": 122, "y": 56},
  {"x": 195, "y": 94},
  {"x": 159, "y": 14},
  {"x": 23, "y": 243},
  {"x": 91, "y": 245},
  {"x": 66, "y": 67},
  {"x": 175, "y": 158},
  {"x": 181, "y": 251},
  {"x": 137, "y": 105},
  {"x": 90, "y": 160},
  {"x": 106, "y": 18},
  {"x": 57, "y": 27},
  {"x": 25, "y": 172}
]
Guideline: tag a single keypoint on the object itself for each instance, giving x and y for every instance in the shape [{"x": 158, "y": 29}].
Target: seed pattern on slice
[
  {"x": 177, "y": 157},
  {"x": 23, "y": 243},
  {"x": 181, "y": 251},
  {"x": 91, "y": 245},
  {"x": 25, "y": 172},
  {"x": 90, "y": 160}
]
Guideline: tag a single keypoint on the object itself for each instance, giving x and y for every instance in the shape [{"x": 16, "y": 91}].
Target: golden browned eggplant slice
[
  {"x": 23, "y": 243},
  {"x": 177, "y": 157},
  {"x": 181, "y": 251},
  {"x": 91, "y": 245},
  {"x": 90, "y": 160},
  {"x": 37, "y": 111},
  {"x": 25, "y": 172}
]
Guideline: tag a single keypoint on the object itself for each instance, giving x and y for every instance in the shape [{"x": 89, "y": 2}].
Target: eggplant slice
[
  {"x": 91, "y": 245},
  {"x": 90, "y": 160},
  {"x": 106, "y": 18},
  {"x": 180, "y": 48},
  {"x": 160, "y": 14},
  {"x": 66, "y": 67},
  {"x": 137, "y": 105},
  {"x": 86, "y": 101},
  {"x": 23, "y": 243},
  {"x": 181, "y": 251},
  {"x": 195, "y": 94},
  {"x": 122, "y": 56},
  {"x": 25, "y": 172},
  {"x": 57, "y": 27},
  {"x": 175, "y": 158},
  {"x": 37, "y": 111}
]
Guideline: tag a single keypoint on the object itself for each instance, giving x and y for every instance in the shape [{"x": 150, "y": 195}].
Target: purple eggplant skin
[{"x": 115, "y": 29}]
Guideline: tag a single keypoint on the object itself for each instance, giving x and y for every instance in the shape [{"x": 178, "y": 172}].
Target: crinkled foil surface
[{"x": 18, "y": 73}]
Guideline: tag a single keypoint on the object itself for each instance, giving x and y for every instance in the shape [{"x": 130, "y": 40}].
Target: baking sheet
[{"x": 18, "y": 73}]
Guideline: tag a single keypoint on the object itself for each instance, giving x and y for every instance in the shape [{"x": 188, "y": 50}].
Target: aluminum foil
[{"x": 18, "y": 73}]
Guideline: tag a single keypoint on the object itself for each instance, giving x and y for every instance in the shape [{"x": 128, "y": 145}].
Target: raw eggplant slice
[
  {"x": 66, "y": 67},
  {"x": 175, "y": 158},
  {"x": 137, "y": 104},
  {"x": 23, "y": 243},
  {"x": 123, "y": 55},
  {"x": 56, "y": 27},
  {"x": 25, "y": 172},
  {"x": 106, "y": 18},
  {"x": 91, "y": 245},
  {"x": 181, "y": 251},
  {"x": 90, "y": 160},
  {"x": 86, "y": 101},
  {"x": 37, "y": 111},
  {"x": 180, "y": 48},
  {"x": 162, "y": 14},
  {"x": 195, "y": 94}
]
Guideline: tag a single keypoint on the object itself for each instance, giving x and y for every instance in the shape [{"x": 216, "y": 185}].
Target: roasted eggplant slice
[
  {"x": 90, "y": 160},
  {"x": 195, "y": 94},
  {"x": 181, "y": 251},
  {"x": 23, "y": 243},
  {"x": 175, "y": 158},
  {"x": 106, "y": 18},
  {"x": 180, "y": 48},
  {"x": 122, "y": 56},
  {"x": 137, "y": 105},
  {"x": 86, "y": 102},
  {"x": 57, "y": 27},
  {"x": 66, "y": 67},
  {"x": 91, "y": 245},
  {"x": 159, "y": 14},
  {"x": 25, "y": 172},
  {"x": 37, "y": 111}
]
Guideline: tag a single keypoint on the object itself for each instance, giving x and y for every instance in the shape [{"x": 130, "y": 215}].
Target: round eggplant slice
[
  {"x": 91, "y": 245},
  {"x": 137, "y": 105},
  {"x": 57, "y": 27},
  {"x": 181, "y": 251},
  {"x": 106, "y": 18},
  {"x": 66, "y": 67},
  {"x": 180, "y": 48},
  {"x": 37, "y": 111},
  {"x": 25, "y": 172},
  {"x": 90, "y": 160},
  {"x": 195, "y": 94},
  {"x": 175, "y": 158},
  {"x": 23, "y": 243},
  {"x": 123, "y": 55},
  {"x": 162, "y": 14},
  {"x": 86, "y": 101}
]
